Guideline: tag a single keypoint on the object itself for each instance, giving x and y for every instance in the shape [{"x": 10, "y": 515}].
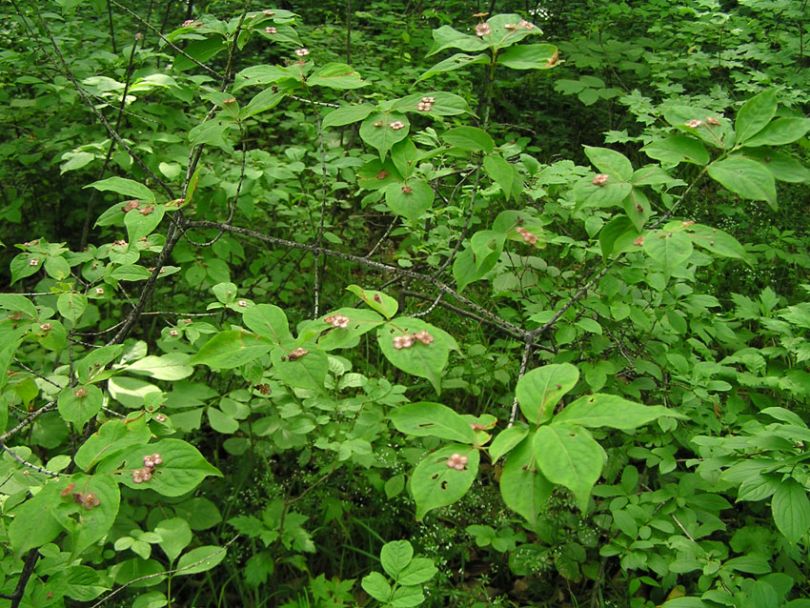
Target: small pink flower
[
  {"x": 99, "y": 291},
  {"x": 457, "y": 462},
  {"x": 510, "y": 27},
  {"x": 141, "y": 475},
  {"x": 483, "y": 29},
  {"x": 694, "y": 123},
  {"x": 406, "y": 189},
  {"x": 424, "y": 337},
  {"x": 46, "y": 327},
  {"x": 526, "y": 25},
  {"x": 120, "y": 243},
  {"x": 89, "y": 501},
  {"x": 339, "y": 321},
  {"x": 242, "y": 303},
  {"x": 80, "y": 393},
  {"x": 688, "y": 223},
  {"x": 302, "y": 52},
  {"x": 270, "y": 30},
  {"x": 527, "y": 236},
  {"x": 424, "y": 107},
  {"x": 130, "y": 205},
  {"x": 600, "y": 180},
  {"x": 297, "y": 353},
  {"x": 639, "y": 241},
  {"x": 230, "y": 100},
  {"x": 268, "y": 13},
  {"x": 397, "y": 125},
  {"x": 711, "y": 120},
  {"x": 190, "y": 23},
  {"x": 401, "y": 342},
  {"x": 152, "y": 460},
  {"x": 33, "y": 262},
  {"x": 174, "y": 333},
  {"x": 160, "y": 417}
]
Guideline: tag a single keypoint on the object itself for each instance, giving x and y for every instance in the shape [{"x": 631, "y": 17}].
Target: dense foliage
[{"x": 389, "y": 304}]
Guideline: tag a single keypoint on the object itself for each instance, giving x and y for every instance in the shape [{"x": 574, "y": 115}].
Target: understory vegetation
[{"x": 386, "y": 303}]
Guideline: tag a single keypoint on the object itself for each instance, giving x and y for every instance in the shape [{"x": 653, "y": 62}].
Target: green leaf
[
  {"x": 637, "y": 207},
  {"x": 529, "y": 57},
  {"x": 229, "y": 349},
  {"x": 791, "y": 510},
  {"x": 524, "y": 488},
  {"x": 175, "y": 535},
  {"x": 78, "y": 404},
  {"x": 182, "y": 470},
  {"x": 617, "y": 230},
  {"x": 745, "y": 177},
  {"x": 71, "y": 306},
  {"x": 506, "y": 441},
  {"x": 455, "y": 62},
  {"x": 17, "y": 303},
  {"x": 503, "y": 174},
  {"x": 200, "y": 559},
  {"x": 172, "y": 366},
  {"x": 715, "y": 240},
  {"x": 602, "y": 410},
  {"x": 569, "y": 456},
  {"x": 610, "y": 194},
  {"x": 376, "y": 300},
  {"x": 270, "y": 322},
  {"x": 382, "y": 130},
  {"x": 418, "y": 572},
  {"x": 141, "y": 222},
  {"x": 434, "y": 484},
  {"x": 337, "y": 76},
  {"x": 425, "y": 419},
  {"x": 780, "y": 132},
  {"x": 261, "y": 102},
  {"x": 669, "y": 250},
  {"x": 611, "y": 162},
  {"x": 407, "y": 597},
  {"x": 445, "y": 37},
  {"x": 221, "y": 422},
  {"x": 112, "y": 438},
  {"x": 541, "y": 389},
  {"x": 24, "y": 265},
  {"x": 754, "y": 115},
  {"x": 376, "y": 586},
  {"x": 782, "y": 166},
  {"x": 470, "y": 139},
  {"x": 444, "y": 104},
  {"x": 130, "y": 392},
  {"x": 124, "y": 186},
  {"x": 410, "y": 200},
  {"x": 395, "y": 556},
  {"x": 419, "y": 359},
  {"x": 305, "y": 371},
  {"x": 467, "y": 268},
  {"x": 329, "y": 337},
  {"x": 347, "y": 115}
]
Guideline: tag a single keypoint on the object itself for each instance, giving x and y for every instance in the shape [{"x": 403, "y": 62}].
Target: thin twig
[
  {"x": 25, "y": 463},
  {"x": 524, "y": 363}
]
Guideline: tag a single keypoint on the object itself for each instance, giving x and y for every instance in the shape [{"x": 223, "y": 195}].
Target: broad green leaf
[
  {"x": 221, "y": 422},
  {"x": 611, "y": 162},
  {"x": 487, "y": 246},
  {"x": 261, "y": 102},
  {"x": 602, "y": 410},
  {"x": 126, "y": 187},
  {"x": 407, "y": 597},
  {"x": 569, "y": 456},
  {"x": 503, "y": 174},
  {"x": 418, "y": 572},
  {"x": 445, "y": 37},
  {"x": 346, "y": 115},
  {"x": 610, "y": 194},
  {"x": 260, "y": 75},
  {"x": 17, "y": 303},
  {"x": 754, "y": 115},
  {"x": 395, "y": 556},
  {"x": 669, "y": 250},
  {"x": 443, "y": 104},
  {"x": 175, "y": 535},
  {"x": 382, "y": 130},
  {"x": 172, "y": 366},
  {"x": 130, "y": 392},
  {"x": 523, "y": 486},
  {"x": 110, "y": 439},
  {"x": 182, "y": 470},
  {"x": 435, "y": 484},
  {"x": 229, "y": 349},
  {"x": 539, "y": 390},
  {"x": 715, "y": 240},
  {"x": 780, "y": 132},
  {"x": 302, "y": 367},
  {"x": 615, "y": 231},
  {"x": 332, "y": 337},
  {"x": 268, "y": 321},
  {"x": 425, "y": 360},
  {"x": 425, "y": 419},
  {"x": 467, "y": 268},
  {"x": 506, "y": 441},
  {"x": 791, "y": 510},
  {"x": 376, "y": 585},
  {"x": 337, "y": 76},
  {"x": 637, "y": 207},
  {"x": 78, "y": 404},
  {"x": 376, "y": 300},
  {"x": 455, "y": 62},
  {"x": 529, "y": 57},
  {"x": 71, "y": 305},
  {"x": 93, "y": 363},
  {"x": 200, "y": 559},
  {"x": 141, "y": 222},
  {"x": 471, "y": 139},
  {"x": 745, "y": 177},
  {"x": 411, "y": 199},
  {"x": 24, "y": 265},
  {"x": 782, "y": 166}
]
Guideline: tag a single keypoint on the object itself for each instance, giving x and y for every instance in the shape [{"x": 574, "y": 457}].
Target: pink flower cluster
[
  {"x": 339, "y": 321},
  {"x": 408, "y": 340},
  {"x": 426, "y": 104},
  {"x": 600, "y": 180},
  {"x": 457, "y": 462},
  {"x": 150, "y": 461},
  {"x": 527, "y": 236}
]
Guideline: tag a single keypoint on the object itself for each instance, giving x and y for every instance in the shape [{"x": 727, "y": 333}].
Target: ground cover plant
[{"x": 398, "y": 304}]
